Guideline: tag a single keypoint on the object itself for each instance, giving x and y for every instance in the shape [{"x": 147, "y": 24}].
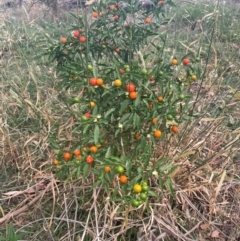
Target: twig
[
  {"x": 191, "y": 230},
  {"x": 25, "y": 207},
  {"x": 96, "y": 212},
  {"x": 66, "y": 212},
  {"x": 76, "y": 211}
]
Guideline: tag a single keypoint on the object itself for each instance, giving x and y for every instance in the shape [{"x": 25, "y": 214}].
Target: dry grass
[{"x": 206, "y": 202}]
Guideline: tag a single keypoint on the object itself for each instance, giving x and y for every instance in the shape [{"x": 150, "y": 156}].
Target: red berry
[
  {"x": 76, "y": 33},
  {"x": 174, "y": 129},
  {"x": 130, "y": 87},
  {"x": 88, "y": 115},
  {"x": 121, "y": 71},
  {"x": 186, "y": 61},
  {"x": 93, "y": 81}
]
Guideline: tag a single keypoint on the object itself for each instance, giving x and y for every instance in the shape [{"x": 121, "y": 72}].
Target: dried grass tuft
[{"x": 206, "y": 152}]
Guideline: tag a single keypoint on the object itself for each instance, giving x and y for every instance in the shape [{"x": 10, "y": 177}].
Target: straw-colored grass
[{"x": 207, "y": 153}]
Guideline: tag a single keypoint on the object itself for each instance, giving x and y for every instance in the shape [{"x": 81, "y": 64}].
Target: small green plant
[
  {"x": 126, "y": 105},
  {"x": 11, "y": 234}
]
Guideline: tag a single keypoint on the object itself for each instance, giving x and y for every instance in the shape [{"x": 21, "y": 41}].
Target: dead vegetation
[{"x": 206, "y": 204}]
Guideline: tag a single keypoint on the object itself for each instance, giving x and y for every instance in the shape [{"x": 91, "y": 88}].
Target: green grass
[{"x": 207, "y": 150}]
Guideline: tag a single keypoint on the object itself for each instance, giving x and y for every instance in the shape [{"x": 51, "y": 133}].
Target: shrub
[{"x": 127, "y": 104}]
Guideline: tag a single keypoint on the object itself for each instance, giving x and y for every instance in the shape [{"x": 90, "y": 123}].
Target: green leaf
[
  {"x": 86, "y": 128},
  {"x": 115, "y": 159},
  {"x": 137, "y": 101},
  {"x": 161, "y": 184},
  {"x": 170, "y": 2},
  {"x": 95, "y": 74},
  {"x": 118, "y": 199},
  {"x": 112, "y": 118},
  {"x": 142, "y": 144},
  {"x": 124, "y": 117},
  {"x": 129, "y": 165},
  {"x": 115, "y": 191},
  {"x": 117, "y": 132},
  {"x": 172, "y": 169},
  {"x": 73, "y": 15},
  {"x": 96, "y": 184},
  {"x": 135, "y": 180},
  {"x": 140, "y": 170},
  {"x": 70, "y": 175},
  {"x": 85, "y": 170},
  {"x": 78, "y": 171},
  {"x": 159, "y": 162},
  {"x": 152, "y": 193},
  {"x": 109, "y": 112},
  {"x": 19, "y": 236},
  {"x": 124, "y": 105},
  {"x": 108, "y": 153},
  {"x": 165, "y": 167},
  {"x": 95, "y": 111},
  {"x": 96, "y": 134},
  {"x": 169, "y": 186},
  {"x": 106, "y": 186},
  {"x": 136, "y": 120},
  {"x": 53, "y": 143}
]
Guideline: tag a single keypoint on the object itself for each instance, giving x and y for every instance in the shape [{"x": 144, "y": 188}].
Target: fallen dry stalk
[{"x": 25, "y": 207}]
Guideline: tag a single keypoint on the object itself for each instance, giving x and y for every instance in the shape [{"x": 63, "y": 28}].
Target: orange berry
[
  {"x": 95, "y": 14},
  {"x": 116, "y": 17},
  {"x": 82, "y": 39},
  {"x": 93, "y": 149},
  {"x": 107, "y": 169},
  {"x": 174, "y": 129},
  {"x": 67, "y": 156},
  {"x": 77, "y": 152},
  {"x": 147, "y": 20},
  {"x": 56, "y": 162},
  {"x": 157, "y": 133},
  {"x": 133, "y": 95},
  {"x": 160, "y": 98},
  {"x": 117, "y": 50},
  {"x": 123, "y": 179},
  {"x": 174, "y": 62},
  {"x": 154, "y": 120},
  {"x": 63, "y": 40},
  {"x": 150, "y": 105},
  {"x": 89, "y": 159},
  {"x": 138, "y": 136},
  {"x": 99, "y": 81}
]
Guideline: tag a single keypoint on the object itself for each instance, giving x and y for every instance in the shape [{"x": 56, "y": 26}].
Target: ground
[{"x": 206, "y": 182}]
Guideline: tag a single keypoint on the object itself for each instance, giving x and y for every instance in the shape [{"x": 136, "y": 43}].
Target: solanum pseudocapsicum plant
[{"x": 129, "y": 102}]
